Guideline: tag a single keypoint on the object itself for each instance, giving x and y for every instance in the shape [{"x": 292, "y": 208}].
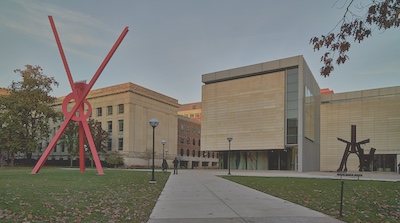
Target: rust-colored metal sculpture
[
  {"x": 355, "y": 147},
  {"x": 79, "y": 92}
]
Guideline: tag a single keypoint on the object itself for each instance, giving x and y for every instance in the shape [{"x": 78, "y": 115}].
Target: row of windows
[
  {"x": 188, "y": 129},
  {"x": 188, "y": 141},
  {"x": 120, "y": 126},
  {"x": 199, "y": 153},
  {"x": 292, "y": 106},
  {"x": 109, "y": 145},
  {"x": 110, "y": 110},
  {"x": 120, "y": 144},
  {"x": 197, "y": 115}
]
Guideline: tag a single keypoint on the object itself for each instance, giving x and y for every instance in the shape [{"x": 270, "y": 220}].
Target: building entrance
[
  {"x": 278, "y": 160},
  {"x": 386, "y": 162}
]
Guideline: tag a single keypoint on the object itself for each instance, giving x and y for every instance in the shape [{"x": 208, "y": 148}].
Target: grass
[
  {"x": 364, "y": 201},
  {"x": 60, "y": 195}
]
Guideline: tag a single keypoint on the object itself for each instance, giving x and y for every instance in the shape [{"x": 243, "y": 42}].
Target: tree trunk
[
  {"x": 12, "y": 160},
  {"x": 29, "y": 158},
  {"x": 1, "y": 160},
  {"x": 70, "y": 158}
]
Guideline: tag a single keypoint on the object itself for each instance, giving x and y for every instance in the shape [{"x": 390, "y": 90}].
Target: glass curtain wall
[{"x": 292, "y": 93}]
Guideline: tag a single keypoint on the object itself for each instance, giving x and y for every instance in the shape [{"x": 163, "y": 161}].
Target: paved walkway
[{"x": 201, "y": 196}]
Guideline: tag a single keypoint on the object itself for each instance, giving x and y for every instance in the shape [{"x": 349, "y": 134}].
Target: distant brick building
[
  {"x": 192, "y": 111},
  {"x": 3, "y": 91},
  {"x": 189, "y": 146}
]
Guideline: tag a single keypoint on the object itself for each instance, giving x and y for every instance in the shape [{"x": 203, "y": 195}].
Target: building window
[
  {"x": 109, "y": 144},
  {"x": 62, "y": 147},
  {"x": 291, "y": 131},
  {"x": 292, "y": 93},
  {"x": 188, "y": 140},
  {"x": 193, "y": 153},
  {"x": 109, "y": 124},
  {"x": 188, "y": 129},
  {"x": 197, "y": 115},
  {"x": 198, "y": 153},
  {"x": 121, "y": 109},
  {"x": 187, "y": 152},
  {"x": 192, "y": 115},
  {"x": 181, "y": 152},
  {"x": 121, "y": 125},
  {"x": 99, "y": 112},
  {"x": 182, "y": 127},
  {"x": 309, "y": 114},
  {"x": 194, "y": 130},
  {"x": 109, "y": 110},
  {"x": 182, "y": 139},
  {"x": 208, "y": 154},
  {"x": 194, "y": 142},
  {"x": 199, "y": 142},
  {"x": 120, "y": 143},
  {"x": 213, "y": 154}
]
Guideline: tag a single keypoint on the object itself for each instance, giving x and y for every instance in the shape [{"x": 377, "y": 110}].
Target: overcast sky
[{"x": 171, "y": 43}]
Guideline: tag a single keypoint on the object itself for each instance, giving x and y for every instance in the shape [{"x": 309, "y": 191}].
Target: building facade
[
  {"x": 376, "y": 115},
  {"x": 270, "y": 109},
  {"x": 125, "y": 111},
  {"x": 191, "y": 110},
  {"x": 189, "y": 151}
]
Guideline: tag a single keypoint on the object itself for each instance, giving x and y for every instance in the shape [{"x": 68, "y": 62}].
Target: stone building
[
  {"x": 270, "y": 109},
  {"x": 125, "y": 111},
  {"x": 376, "y": 115},
  {"x": 280, "y": 119}
]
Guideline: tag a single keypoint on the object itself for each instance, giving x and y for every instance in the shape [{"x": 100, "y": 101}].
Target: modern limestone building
[
  {"x": 270, "y": 109},
  {"x": 376, "y": 115},
  {"x": 125, "y": 111}
]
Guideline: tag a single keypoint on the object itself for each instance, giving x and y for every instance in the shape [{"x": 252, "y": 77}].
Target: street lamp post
[
  {"x": 229, "y": 138},
  {"x": 163, "y": 143},
  {"x": 153, "y": 123}
]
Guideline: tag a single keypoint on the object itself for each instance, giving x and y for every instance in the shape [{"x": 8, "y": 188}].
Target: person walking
[
  {"x": 175, "y": 162},
  {"x": 399, "y": 167},
  {"x": 164, "y": 165}
]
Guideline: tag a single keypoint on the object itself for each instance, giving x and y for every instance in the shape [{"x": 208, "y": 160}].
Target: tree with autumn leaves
[
  {"x": 377, "y": 15},
  {"x": 26, "y": 112}
]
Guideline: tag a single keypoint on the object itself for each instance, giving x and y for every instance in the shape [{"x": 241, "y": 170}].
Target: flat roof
[{"x": 252, "y": 70}]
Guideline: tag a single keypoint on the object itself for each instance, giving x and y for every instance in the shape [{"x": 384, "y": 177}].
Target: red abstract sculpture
[{"x": 79, "y": 92}]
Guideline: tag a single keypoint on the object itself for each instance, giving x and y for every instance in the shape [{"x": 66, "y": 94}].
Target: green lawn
[
  {"x": 364, "y": 201},
  {"x": 60, "y": 195}
]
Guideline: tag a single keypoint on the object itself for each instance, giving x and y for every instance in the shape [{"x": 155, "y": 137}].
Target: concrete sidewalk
[{"x": 201, "y": 196}]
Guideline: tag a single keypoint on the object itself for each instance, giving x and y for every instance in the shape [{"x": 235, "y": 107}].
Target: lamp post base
[{"x": 152, "y": 181}]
